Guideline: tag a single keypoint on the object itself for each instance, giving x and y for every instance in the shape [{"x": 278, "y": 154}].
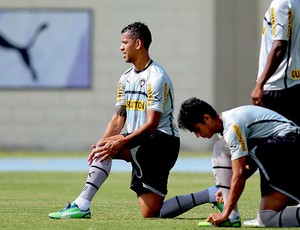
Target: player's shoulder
[
  {"x": 156, "y": 67},
  {"x": 126, "y": 72},
  {"x": 240, "y": 113},
  {"x": 157, "y": 71},
  {"x": 280, "y": 4}
]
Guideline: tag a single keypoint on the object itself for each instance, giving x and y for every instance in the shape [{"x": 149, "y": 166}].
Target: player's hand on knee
[
  {"x": 219, "y": 196},
  {"x": 95, "y": 153}
]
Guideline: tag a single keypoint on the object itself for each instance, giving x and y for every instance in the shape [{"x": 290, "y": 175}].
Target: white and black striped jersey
[
  {"x": 149, "y": 89},
  {"x": 248, "y": 124},
  {"x": 282, "y": 22}
]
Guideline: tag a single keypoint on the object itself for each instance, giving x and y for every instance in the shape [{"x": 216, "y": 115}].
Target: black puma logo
[
  {"x": 23, "y": 51},
  {"x": 90, "y": 174}
]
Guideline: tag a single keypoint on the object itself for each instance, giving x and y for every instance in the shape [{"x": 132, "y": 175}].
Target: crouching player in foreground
[
  {"x": 145, "y": 108},
  {"x": 252, "y": 134}
]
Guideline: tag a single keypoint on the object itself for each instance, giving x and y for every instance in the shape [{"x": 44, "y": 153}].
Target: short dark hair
[
  {"x": 192, "y": 112},
  {"x": 139, "y": 30}
]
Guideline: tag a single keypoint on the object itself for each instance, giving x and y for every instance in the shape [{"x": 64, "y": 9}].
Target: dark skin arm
[
  {"x": 275, "y": 57},
  {"x": 237, "y": 186},
  {"x": 111, "y": 145},
  {"x": 113, "y": 128}
]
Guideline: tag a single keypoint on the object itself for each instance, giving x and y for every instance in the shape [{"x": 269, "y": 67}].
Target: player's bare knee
[{"x": 150, "y": 214}]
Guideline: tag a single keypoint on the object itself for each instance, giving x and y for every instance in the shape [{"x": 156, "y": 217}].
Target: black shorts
[
  {"x": 284, "y": 102},
  {"x": 278, "y": 160},
  {"x": 151, "y": 163}
]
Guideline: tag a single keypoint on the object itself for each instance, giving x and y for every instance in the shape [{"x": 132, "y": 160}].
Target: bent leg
[
  {"x": 177, "y": 205},
  {"x": 289, "y": 217},
  {"x": 274, "y": 201},
  {"x": 98, "y": 173},
  {"x": 150, "y": 204},
  {"x": 222, "y": 170},
  {"x": 273, "y": 211}
]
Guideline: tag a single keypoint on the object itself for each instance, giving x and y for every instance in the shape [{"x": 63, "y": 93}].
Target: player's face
[
  {"x": 128, "y": 48},
  {"x": 203, "y": 130}
]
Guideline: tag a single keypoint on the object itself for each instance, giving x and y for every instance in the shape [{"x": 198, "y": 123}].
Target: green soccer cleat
[
  {"x": 236, "y": 223},
  {"x": 71, "y": 211},
  {"x": 218, "y": 206}
]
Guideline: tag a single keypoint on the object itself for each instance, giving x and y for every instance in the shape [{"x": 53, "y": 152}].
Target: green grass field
[{"x": 26, "y": 198}]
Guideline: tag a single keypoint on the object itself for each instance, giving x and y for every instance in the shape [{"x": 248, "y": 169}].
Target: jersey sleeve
[
  {"x": 281, "y": 20},
  {"x": 121, "y": 92},
  {"x": 237, "y": 142},
  {"x": 158, "y": 88}
]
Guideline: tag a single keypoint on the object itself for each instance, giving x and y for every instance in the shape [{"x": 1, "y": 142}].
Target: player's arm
[
  {"x": 275, "y": 57},
  {"x": 113, "y": 144},
  {"x": 237, "y": 185},
  {"x": 117, "y": 122},
  {"x": 112, "y": 130},
  {"x": 150, "y": 127},
  {"x": 156, "y": 88}
]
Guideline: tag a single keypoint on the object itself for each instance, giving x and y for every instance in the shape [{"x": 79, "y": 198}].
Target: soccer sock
[
  {"x": 180, "y": 204},
  {"x": 222, "y": 170},
  {"x": 98, "y": 173},
  {"x": 289, "y": 217}
]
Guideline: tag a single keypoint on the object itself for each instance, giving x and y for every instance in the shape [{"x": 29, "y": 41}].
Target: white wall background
[{"x": 209, "y": 48}]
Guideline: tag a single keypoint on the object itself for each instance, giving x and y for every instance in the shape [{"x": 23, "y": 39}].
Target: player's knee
[
  {"x": 220, "y": 147},
  {"x": 150, "y": 213},
  {"x": 221, "y": 154},
  {"x": 268, "y": 218},
  {"x": 150, "y": 204}
]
